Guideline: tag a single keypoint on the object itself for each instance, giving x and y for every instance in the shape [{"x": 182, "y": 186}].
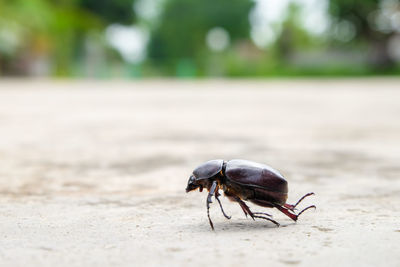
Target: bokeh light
[
  {"x": 217, "y": 39},
  {"x": 130, "y": 41}
]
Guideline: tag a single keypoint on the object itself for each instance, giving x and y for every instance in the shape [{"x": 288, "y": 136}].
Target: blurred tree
[
  {"x": 116, "y": 11},
  {"x": 180, "y": 37},
  {"x": 37, "y": 32},
  {"x": 292, "y": 36},
  {"x": 366, "y": 19}
]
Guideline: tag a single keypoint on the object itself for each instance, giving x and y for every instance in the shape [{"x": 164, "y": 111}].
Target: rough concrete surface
[{"x": 92, "y": 173}]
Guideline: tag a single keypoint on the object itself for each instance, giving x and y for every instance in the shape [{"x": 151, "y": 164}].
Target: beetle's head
[
  {"x": 193, "y": 184},
  {"x": 203, "y": 173}
]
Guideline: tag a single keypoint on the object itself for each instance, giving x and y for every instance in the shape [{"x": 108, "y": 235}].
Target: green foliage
[
  {"x": 56, "y": 29},
  {"x": 362, "y": 14},
  {"x": 292, "y": 37},
  {"x": 115, "y": 11},
  {"x": 180, "y": 36},
  {"x": 68, "y": 35},
  {"x": 349, "y": 8},
  {"x": 355, "y": 11}
]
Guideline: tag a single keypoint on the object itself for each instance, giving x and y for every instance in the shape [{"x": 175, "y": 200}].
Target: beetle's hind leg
[
  {"x": 289, "y": 209},
  {"x": 293, "y": 207},
  {"x": 309, "y": 207},
  {"x": 266, "y": 218},
  {"x": 291, "y": 214},
  {"x": 253, "y": 215},
  {"x": 244, "y": 207},
  {"x": 263, "y": 213}
]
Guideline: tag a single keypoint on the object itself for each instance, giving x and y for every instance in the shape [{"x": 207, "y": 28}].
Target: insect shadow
[{"x": 237, "y": 226}]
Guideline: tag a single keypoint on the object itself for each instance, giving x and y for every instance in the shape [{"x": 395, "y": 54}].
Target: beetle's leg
[
  {"x": 289, "y": 206},
  {"x": 222, "y": 209},
  {"x": 244, "y": 210},
  {"x": 292, "y": 207},
  {"x": 247, "y": 210},
  {"x": 287, "y": 212},
  {"x": 263, "y": 213},
  {"x": 234, "y": 198},
  {"x": 268, "y": 219},
  {"x": 309, "y": 207},
  {"x": 244, "y": 207},
  {"x": 210, "y": 194},
  {"x": 293, "y": 216},
  {"x": 208, "y": 214}
]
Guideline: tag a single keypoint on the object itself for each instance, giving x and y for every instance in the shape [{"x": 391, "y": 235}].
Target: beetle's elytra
[{"x": 244, "y": 180}]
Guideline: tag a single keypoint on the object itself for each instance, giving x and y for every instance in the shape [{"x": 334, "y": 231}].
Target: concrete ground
[{"x": 93, "y": 173}]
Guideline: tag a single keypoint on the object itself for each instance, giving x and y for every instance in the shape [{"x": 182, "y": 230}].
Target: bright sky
[{"x": 131, "y": 41}]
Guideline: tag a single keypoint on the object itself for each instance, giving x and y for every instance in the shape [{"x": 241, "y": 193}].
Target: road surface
[{"x": 93, "y": 173}]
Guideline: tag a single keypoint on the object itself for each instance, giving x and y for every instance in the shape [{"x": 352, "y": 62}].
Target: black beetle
[{"x": 244, "y": 180}]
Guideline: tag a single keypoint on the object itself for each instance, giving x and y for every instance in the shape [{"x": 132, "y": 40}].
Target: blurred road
[{"x": 93, "y": 173}]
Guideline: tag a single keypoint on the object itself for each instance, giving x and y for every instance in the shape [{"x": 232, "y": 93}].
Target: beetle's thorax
[
  {"x": 204, "y": 175},
  {"x": 219, "y": 178}
]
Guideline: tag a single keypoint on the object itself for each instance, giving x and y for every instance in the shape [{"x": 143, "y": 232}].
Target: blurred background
[
  {"x": 191, "y": 38},
  {"x": 93, "y": 166}
]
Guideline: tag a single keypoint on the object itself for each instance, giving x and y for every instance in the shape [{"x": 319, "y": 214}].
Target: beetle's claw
[
  {"x": 227, "y": 216},
  {"x": 211, "y": 224}
]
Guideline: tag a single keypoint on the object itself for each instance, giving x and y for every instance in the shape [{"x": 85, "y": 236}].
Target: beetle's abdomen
[
  {"x": 267, "y": 198},
  {"x": 255, "y": 175}
]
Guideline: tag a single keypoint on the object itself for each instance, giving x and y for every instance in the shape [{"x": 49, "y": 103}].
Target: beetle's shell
[
  {"x": 262, "y": 179},
  {"x": 208, "y": 169}
]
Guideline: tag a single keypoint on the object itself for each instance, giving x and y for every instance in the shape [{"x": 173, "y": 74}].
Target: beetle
[{"x": 243, "y": 180}]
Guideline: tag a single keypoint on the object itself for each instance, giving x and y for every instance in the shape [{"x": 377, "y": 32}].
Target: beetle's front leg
[{"x": 210, "y": 194}]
